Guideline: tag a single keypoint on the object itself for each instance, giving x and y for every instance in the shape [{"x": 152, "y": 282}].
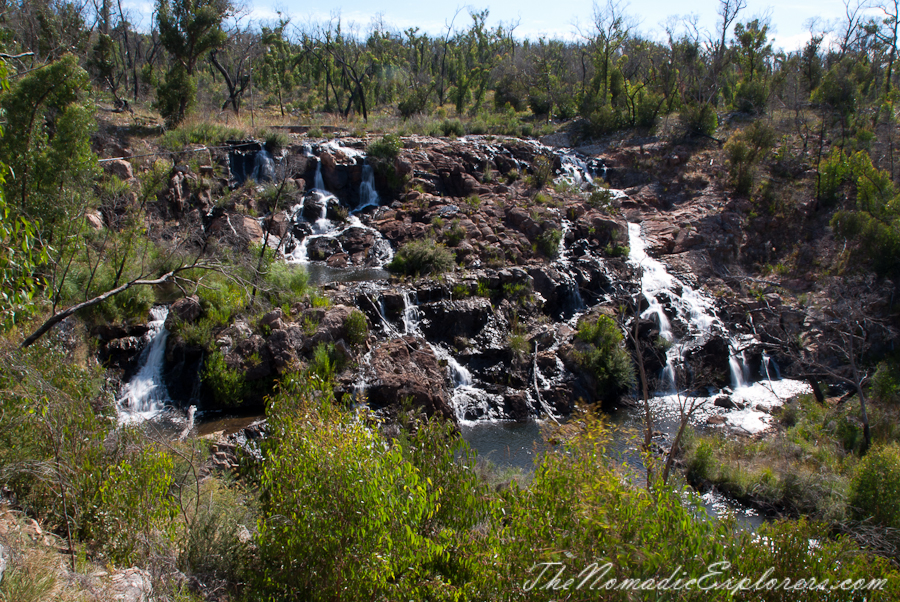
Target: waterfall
[
  {"x": 145, "y": 394},
  {"x": 769, "y": 366},
  {"x": 410, "y": 313},
  {"x": 263, "y": 167},
  {"x": 368, "y": 196},
  {"x": 319, "y": 183},
  {"x": 459, "y": 374}
]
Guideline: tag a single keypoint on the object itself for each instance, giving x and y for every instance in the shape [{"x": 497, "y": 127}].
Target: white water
[
  {"x": 368, "y": 196},
  {"x": 319, "y": 183},
  {"x": 145, "y": 394},
  {"x": 695, "y": 309}
]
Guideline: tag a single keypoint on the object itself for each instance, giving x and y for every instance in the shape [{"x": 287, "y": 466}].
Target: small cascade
[
  {"x": 368, "y": 196},
  {"x": 459, "y": 373},
  {"x": 573, "y": 303},
  {"x": 769, "y": 368},
  {"x": 737, "y": 369},
  {"x": 697, "y": 312},
  {"x": 263, "y": 167},
  {"x": 410, "y": 313},
  {"x": 145, "y": 395},
  {"x": 319, "y": 183}
]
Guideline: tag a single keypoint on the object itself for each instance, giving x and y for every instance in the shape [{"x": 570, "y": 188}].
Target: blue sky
[{"x": 534, "y": 17}]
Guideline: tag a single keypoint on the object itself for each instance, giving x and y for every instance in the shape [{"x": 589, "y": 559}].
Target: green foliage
[
  {"x": 833, "y": 171},
  {"x": 286, "y": 283},
  {"x": 176, "y": 95},
  {"x": 699, "y": 119},
  {"x": 203, "y": 132},
  {"x": 345, "y": 513},
  {"x": 188, "y": 30},
  {"x": 421, "y": 257},
  {"x": 876, "y": 487},
  {"x": 744, "y": 150},
  {"x": 226, "y": 385},
  {"x": 541, "y": 171},
  {"x": 875, "y": 223},
  {"x": 47, "y": 145},
  {"x": 386, "y": 149},
  {"x": 455, "y": 234},
  {"x": 602, "y": 356},
  {"x": 357, "y": 328},
  {"x": 548, "y": 242}
]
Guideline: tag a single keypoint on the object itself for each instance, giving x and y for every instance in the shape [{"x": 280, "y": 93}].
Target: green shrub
[
  {"x": 751, "y": 97},
  {"x": 455, "y": 234},
  {"x": 346, "y": 515},
  {"x": 357, "y": 328},
  {"x": 548, "y": 242},
  {"x": 421, "y": 257},
  {"x": 275, "y": 140},
  {"x": 699, "y": 119},
  {"x": 225, "y": 384},
  {"x": 602, "y": 357},
  {"x": 875, "y": 488},
  {"x": 204, "y": 132},
  {"x": 386, "y": 149},
  {"x": 542, "y": 171},
  {"x": 287, "y": 283}
]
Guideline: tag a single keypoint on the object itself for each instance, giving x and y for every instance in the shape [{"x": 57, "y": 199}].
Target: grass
[{"x": 805, "y": 468}]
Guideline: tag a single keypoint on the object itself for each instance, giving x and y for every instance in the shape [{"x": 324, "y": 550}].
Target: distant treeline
[{"x": 612, "y": 76}]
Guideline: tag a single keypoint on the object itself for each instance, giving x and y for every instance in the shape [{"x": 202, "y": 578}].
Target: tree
[
  {"x": 47, "y": 144},
  {"x": 188, "y": 29}
]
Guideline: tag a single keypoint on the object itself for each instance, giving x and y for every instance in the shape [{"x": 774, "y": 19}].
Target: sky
[{"x": 789, "y": 20}]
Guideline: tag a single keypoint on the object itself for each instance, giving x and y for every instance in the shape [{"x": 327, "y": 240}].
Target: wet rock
[
  {"x": 708, "y": 358},
  {"x": 724, "y": 401},
  {"x": 407, "y": 369},
  {"x": 516, "y": 407},
  {"x": 715, "y": 420},
  {"x": 446, "y": 320},
  {"x": 322, "y": 248}
]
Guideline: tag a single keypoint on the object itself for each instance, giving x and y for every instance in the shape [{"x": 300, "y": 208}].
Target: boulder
[
  {"x": 120, "y": 168},
  {"x": 186, "y": 309},
  {"x": 407, "y": 369}
]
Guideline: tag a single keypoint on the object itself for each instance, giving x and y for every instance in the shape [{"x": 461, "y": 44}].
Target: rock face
[{"x": 406, "y": 369}]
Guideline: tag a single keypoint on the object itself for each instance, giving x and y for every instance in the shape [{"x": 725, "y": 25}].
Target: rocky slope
[{"x": 494, "y": 338}]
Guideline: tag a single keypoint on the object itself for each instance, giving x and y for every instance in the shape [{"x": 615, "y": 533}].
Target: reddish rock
[
  {"x": 407, "y": 369},
  {"x": 120, "y": 168}
]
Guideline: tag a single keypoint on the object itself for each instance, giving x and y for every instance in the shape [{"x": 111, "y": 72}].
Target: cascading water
[
  {"x": 145, "y": 395},
  {"x": 318, "y": 182},
  {"x": 697, "y": 312},
  {"x": 263, "y": 167},
  {"x": 368, "y": 196}
]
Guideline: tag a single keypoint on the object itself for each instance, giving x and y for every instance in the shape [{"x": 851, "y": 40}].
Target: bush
[
  {"x": 548, "y": 242},
  {"x": 420, "y": 257},
  {"x": 601, "y": 355},
  {"x": 542, "y": 171},
  {"x": 346, "y": 515},
  {"x": 751, "y": 97},
  {"x": 699, "y": 119},
  {"x": 386, "y": 149},
  {"x": 225, "y": 384},
  {"x": 875, "y": 488},
  {"x": 357, "y": 328}
]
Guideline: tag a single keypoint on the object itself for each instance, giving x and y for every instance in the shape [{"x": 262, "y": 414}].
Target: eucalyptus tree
[{"x": 188, "y": 30}]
